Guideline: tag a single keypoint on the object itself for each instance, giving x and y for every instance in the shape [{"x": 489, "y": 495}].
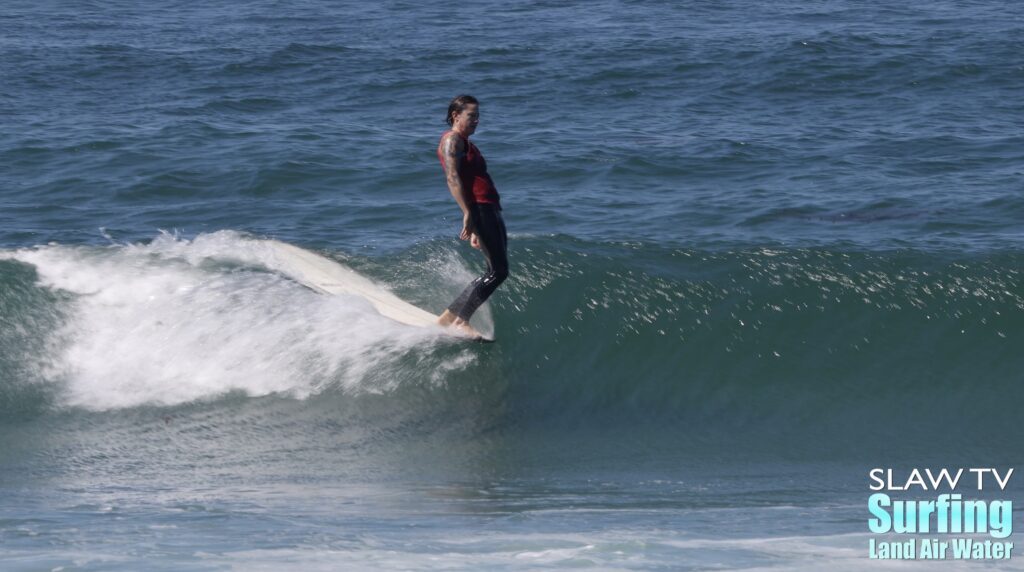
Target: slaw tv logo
[{"x": 960, "y": 528}]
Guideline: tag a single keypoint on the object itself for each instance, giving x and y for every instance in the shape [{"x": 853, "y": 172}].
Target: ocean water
[{"x": 757, "y": 250}]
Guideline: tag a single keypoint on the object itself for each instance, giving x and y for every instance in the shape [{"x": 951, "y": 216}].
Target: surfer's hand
[
  {"x": 467, "y": 227},
  {"x": 474, "y": 240}
]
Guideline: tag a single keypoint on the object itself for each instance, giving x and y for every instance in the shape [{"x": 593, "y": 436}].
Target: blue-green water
[{"x": 757, "y": 250}]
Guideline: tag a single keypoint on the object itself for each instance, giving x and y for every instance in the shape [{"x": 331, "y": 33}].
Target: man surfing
[{"x": 474, "y": 191}]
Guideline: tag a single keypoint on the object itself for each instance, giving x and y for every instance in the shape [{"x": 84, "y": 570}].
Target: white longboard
[{"x": 330, "y": 277}]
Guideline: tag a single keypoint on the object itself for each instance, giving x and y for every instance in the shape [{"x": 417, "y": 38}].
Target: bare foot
[
  {"x": 465, "y": 329},
  {"x": 462, "y": 327}
]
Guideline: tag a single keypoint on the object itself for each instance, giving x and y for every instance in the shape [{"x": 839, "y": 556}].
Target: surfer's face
[{"x": 466, "y": 120}]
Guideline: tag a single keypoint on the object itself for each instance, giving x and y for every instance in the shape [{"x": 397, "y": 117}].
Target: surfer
[{"x": 482, "y": 225}]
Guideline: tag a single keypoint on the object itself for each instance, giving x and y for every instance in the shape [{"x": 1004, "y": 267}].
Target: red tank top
[{"x": 473, "y": 174}]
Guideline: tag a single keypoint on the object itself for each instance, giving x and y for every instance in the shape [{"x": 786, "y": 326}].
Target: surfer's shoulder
[{"x": 452, "y": 143}]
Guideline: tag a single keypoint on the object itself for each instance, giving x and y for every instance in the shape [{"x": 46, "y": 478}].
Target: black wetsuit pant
[{"x": 490, "y": 227}]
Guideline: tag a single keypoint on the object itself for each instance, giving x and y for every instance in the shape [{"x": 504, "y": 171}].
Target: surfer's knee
[{"x": 500, "y": 273}]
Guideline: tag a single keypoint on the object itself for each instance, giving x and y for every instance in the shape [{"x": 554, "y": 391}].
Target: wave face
[
  {"x": 820, "y": 348},
  {"x": 837, "y": 350}
]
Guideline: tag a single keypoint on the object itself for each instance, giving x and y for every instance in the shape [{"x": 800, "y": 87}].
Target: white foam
[
  {"x": 613, "y": 549},
  {"x": 170, "y": 322}
]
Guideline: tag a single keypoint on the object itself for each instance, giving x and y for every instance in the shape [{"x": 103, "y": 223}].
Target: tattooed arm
[{"x": 453, "y": 151}]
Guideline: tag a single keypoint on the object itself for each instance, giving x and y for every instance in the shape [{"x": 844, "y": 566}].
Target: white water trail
[{"x": 178, "y": 320}]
